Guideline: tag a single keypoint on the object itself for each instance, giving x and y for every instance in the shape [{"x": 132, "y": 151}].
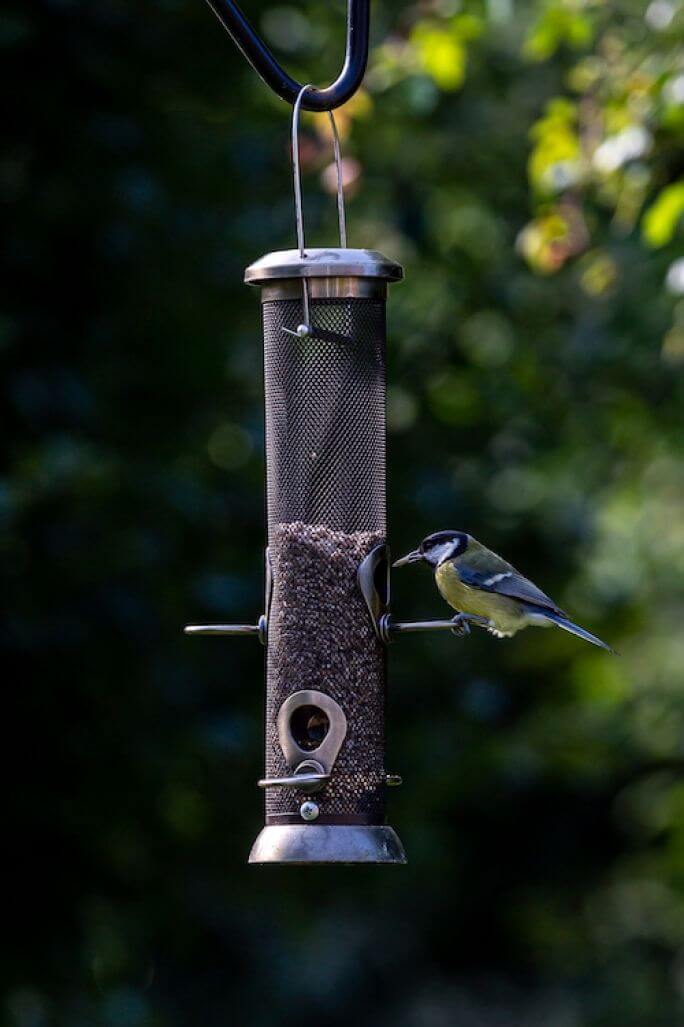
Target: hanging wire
[
  {"x": 297, "y": 176},
  {"x": 297, "y": 181}
]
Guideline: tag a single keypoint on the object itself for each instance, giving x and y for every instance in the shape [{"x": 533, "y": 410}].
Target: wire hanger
[{"x": 306, "y": 330}]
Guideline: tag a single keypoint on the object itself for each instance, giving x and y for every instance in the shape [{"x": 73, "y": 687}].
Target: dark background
[{"x": 522, "y": 163}]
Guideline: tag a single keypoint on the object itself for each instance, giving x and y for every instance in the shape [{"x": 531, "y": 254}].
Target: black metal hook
[{"x": 267, "y": 67}]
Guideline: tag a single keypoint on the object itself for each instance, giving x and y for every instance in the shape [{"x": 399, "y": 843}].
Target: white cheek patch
[
  {"x": 496, "y": 578},
  {"x": 444, "y": 551}
]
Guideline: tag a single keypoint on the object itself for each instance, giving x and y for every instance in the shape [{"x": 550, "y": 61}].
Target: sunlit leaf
[
  {"x": 555, "y": 160},
  {"x": 442, "y": 55},
  {"x": 559, "y": 24},
  {"x": 663, "y": 216}
]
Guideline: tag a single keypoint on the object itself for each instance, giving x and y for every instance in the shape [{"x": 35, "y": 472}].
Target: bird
[{"x": 486, "y": 590}]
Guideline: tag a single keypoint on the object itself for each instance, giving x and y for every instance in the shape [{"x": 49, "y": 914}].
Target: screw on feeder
[{"x": 309, "y": 811}]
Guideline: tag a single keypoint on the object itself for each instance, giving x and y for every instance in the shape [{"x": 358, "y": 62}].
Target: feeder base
[{"x": 327, "y": 843}]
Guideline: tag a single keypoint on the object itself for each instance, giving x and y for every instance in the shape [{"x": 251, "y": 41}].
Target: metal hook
[{"x": 268, "y": 68}]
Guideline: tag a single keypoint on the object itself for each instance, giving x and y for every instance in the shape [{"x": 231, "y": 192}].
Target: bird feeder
[
  {"x": 324, "y": 371},
  {"x": 326, "y": 623}
]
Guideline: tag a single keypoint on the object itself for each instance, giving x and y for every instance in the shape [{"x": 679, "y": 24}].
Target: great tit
[{"x": 486, "y": 590}]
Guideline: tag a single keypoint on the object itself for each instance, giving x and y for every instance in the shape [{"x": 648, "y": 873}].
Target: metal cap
[{"x": 323, "y": 263}]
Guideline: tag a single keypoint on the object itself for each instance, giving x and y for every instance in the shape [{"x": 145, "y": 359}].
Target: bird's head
[{"x": 436, "y": 548}]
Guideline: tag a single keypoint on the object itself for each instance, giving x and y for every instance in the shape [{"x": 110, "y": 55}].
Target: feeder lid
[{"x": 323, "y": 263}]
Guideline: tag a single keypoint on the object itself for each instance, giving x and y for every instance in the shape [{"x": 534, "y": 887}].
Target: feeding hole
[{"x": 309, "y": 726}]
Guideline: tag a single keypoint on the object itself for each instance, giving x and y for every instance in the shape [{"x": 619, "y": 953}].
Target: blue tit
[{"x": 486, "y": 590}]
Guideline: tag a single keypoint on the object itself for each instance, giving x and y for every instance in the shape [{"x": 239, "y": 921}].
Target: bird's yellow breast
[{"x": 504, "y": 613}]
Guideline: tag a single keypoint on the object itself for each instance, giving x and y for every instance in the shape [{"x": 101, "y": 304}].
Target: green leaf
[
  {"x": 662, "y": 217},
  {"x": 558, "y": 25},
  {"x": 441, "y": 54}
]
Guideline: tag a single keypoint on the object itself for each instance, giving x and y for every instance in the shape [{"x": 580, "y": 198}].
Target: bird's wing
[{"x": 505, "y": 581}]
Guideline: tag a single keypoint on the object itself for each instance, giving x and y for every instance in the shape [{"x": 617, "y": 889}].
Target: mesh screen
[
  {"x": 325, "y": 414},
  {"x": 325, "y": 449}
]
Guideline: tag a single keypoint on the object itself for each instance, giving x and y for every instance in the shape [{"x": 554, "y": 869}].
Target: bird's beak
[{"x": 413, "y": 557}]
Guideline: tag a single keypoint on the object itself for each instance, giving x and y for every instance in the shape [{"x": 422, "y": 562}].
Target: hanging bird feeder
[{"x": 326, "y": 623}]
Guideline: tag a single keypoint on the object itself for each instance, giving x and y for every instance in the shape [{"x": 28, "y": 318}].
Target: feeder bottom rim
[{"x": 306, "y": 844}]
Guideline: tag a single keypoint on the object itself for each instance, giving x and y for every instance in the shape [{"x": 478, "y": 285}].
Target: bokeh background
[{"x": 524, "y": 161}]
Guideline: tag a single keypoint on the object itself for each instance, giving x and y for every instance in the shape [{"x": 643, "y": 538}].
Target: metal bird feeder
[{"x": 326, "y": 621}]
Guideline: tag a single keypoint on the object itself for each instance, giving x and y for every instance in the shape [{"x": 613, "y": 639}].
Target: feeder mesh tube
[{"x": 325, "y": 456}]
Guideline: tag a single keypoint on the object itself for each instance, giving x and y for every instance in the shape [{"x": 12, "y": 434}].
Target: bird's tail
[{"x": 575, "y": 629}]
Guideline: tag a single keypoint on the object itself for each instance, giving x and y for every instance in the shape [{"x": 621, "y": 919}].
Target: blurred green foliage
[{"x": 524, "y": 163}]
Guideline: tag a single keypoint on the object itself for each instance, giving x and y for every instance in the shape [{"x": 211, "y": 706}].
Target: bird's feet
[
  {"x": 461, "y": 625},
  {"x": 462, "y": 621}
]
